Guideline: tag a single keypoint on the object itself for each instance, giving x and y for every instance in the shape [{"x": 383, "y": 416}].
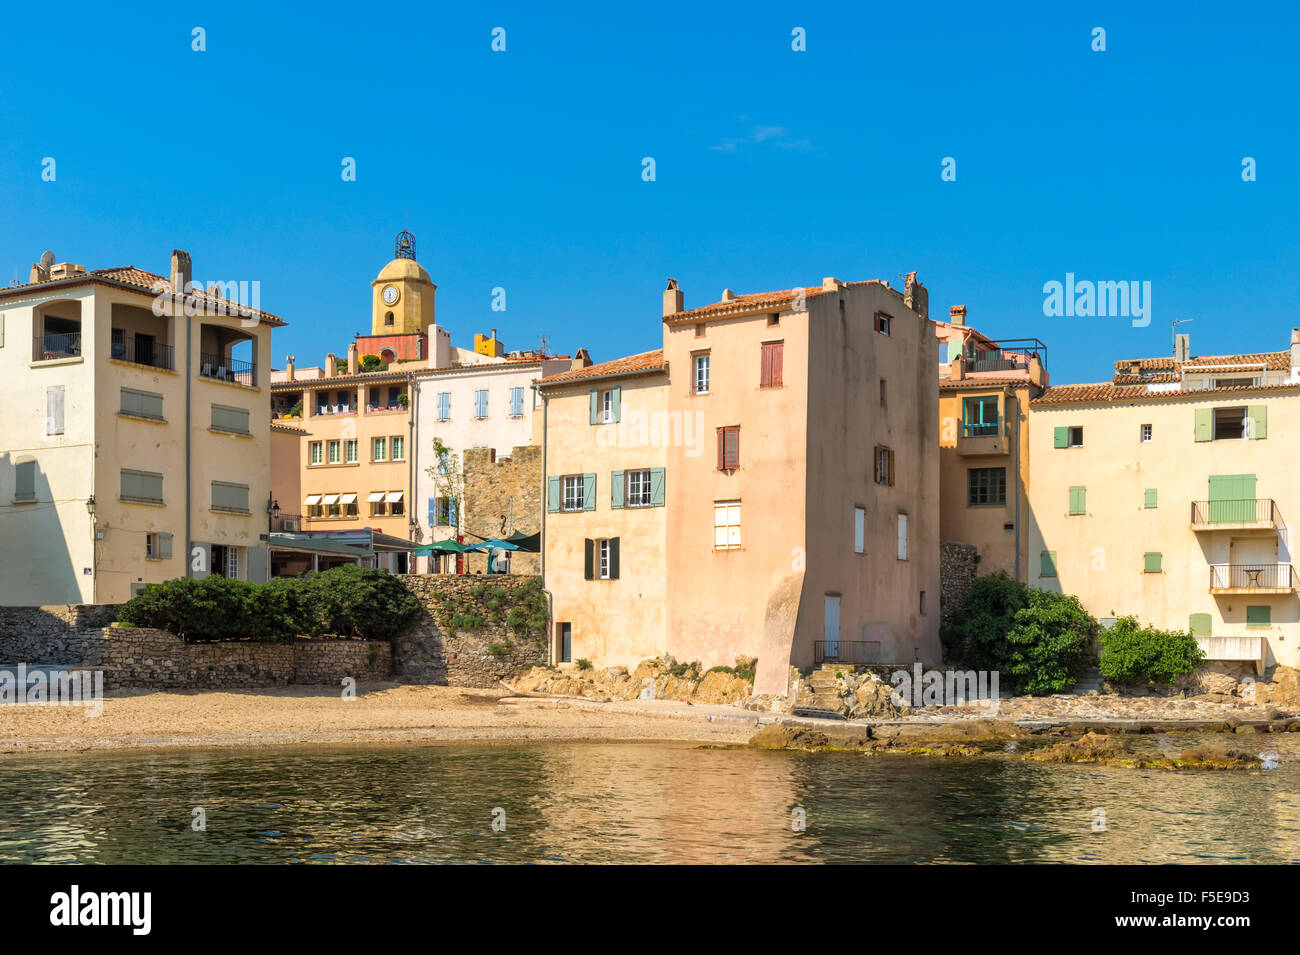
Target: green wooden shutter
[
  {"x": 617, "y": 400},
  {"x": 588, "y": 558},
  {"x": 616, "y": 489},
  {"x": 1198, "y": 624},
  {"x": 595, "y": 406},
  {"x": 1060, "y": 437},
  {"x": 165, "y": 546},
  {"x": 1151, "y": 562},
  {"x": 589, "y": 492},
  {"x": 1048, "y": 564},
  {"x": 1259, "y": 616},
  {"x": 1232, "y": 498},
  {"x": 656, "y": 487},
  {"x": 552, "y": 494},
  {"x": 1150, "y": 497},
  {"x": 613, "y": 558},
  {"x": 1258, "y": 415},
  {"x": 1078, "y": 500},
  {"x": 1204, "y": 429}
]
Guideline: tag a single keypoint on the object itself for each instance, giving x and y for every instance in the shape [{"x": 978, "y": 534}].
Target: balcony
[
  {"x": 54, "y": 345},
  {"x": 1250, "y": 514},
  {"x": 1252, "y": 579},
  {"x": 982, "y": 437},
  {"x": 1010, "y": 355},
  {"x": 143, "y": 350},
  {"x": 222, "y": 368}
]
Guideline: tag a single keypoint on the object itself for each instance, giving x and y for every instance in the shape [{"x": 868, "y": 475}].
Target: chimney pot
[
  {"x": 182, "y": 271},
  {"x": 674, "y": 298},
  {"x": 957, "y": 315}
]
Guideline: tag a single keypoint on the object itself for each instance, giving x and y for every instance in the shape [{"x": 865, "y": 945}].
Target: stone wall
[
  {"x": 957, "y": 563},
  {"x": 156, "y": 659},
  {"x": 431, "y": 651},
  {"x": 503, "y": 495}
]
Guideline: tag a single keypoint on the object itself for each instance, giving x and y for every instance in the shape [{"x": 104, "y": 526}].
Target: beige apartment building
[
  {"x": 985, "y": 387},
  {"x": 135, "y": 444},
  {"x": 1170, "y": 492},
  {"x": 801, "y": 484}
]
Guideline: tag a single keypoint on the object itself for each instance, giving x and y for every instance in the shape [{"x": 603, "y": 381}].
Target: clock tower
[{"x": 402, "y": 294}]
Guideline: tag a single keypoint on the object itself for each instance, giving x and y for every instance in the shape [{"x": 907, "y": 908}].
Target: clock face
[{"x": 390, "y": 294}]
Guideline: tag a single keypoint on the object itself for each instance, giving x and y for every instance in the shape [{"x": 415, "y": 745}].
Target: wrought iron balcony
[
  {"x": 1252, "y": 578},
  {"x": 143, "y": 351},
  {"x": 1246, "y": 514},
  {"x": 55, "y": 345},
  {"x": 223, "y": 368}
]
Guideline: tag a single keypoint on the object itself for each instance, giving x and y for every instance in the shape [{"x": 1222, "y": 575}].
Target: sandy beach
[{"x": 380, "y": 713}]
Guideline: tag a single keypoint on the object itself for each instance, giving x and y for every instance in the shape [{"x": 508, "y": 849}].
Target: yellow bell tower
[{"x": 402, "y": 294}]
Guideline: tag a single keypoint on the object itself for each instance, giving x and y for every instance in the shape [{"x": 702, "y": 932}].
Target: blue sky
[{"x": 774, "y": 168}]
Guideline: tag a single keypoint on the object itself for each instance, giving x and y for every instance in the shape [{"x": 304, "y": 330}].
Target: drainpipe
[
  {"x": 550, "y": 598},
  {"x": 189, "y": 385},
  {"x": 1016, "y": 471},
  {"x": 413, "y": 455}
]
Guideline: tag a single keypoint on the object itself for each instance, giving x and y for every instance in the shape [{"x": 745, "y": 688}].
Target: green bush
[
  {"x": 1134, "y": 654},
  {"x": 371, "y": 363},
  {"x": 360, "y": 602},
  {"x": 1037, "y": 641},
  {"x": 583, "y": 663}
]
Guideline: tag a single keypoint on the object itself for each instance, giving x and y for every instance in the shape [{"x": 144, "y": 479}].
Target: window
[
  {"x": 882, "y": 323},
  {"x": 884, "y": 465},
  {"x": 1199, "y": 624},
  {"x": 333, "y": 449},
  {"x": 699, "y": 330},
  {"x": 24, "y": 481},
  {"x": 1078, "y": 500},
  {"x": 1259, "y": 616},
  {"x": 444, "y": 406},
  {"x": 348, "y": 503},
  {"x": 574, "y": 492},
  {"x": 399, "y": 448},
  {"x": 1067, "y": 437},
  {"x": 388, "y": 318},
  {"x": 314, "y": 506},
  {"x": 53, "y": 410},
  {"x": 332, "y": 506},
  {"x": 1145, "y": 434},
  {"x": 770, "y": 373},
  {"x": 922, "y": 603},
  {"x": 157, "y": 546},
  {"x": 233, "y": 420},
  {"x": 141, "y": 487},
  {"x": 1076, "y": 437},
  {"x": 600, "y": 559},
  {"x": 774, "y": 319},
  {"x": 986, "y": 486},
  {"x": 1235, "y": 382},
  {"x": 516, "y": 402},
  {"x": 230, "y": 497},
  {"x": 883, "y": 402},
  {"x": 480, "y": 403},
  {"x": 638, "y": 489},
  {"x": 726, "y": 525},
  {"x": 440, "y": 511},
  {"x": 379, "y": 449},
  {"x": 1047, "y": 564},
  {"x": 444, "y": 462},
  {"x": 1151, "y": 562},
  {"x": 604, "y": 560},
  {"x": 1229, "y": 423},
  {"x": 701, "y": 374},
  {"x": 314, "y": 450},
  {"x": 141, "y": 404},
  {"x": 350, "y": 447},
  {"x": 378, "y": 508},
  {"x": 979, "y": 416},
  {"x": 902, "y": 537},
  {"x": 859, "y": 530},
  {"x": 729, "y": 448},
  {"x": 1226, "y": 424},
  {"x": 1149, "y": 497}
]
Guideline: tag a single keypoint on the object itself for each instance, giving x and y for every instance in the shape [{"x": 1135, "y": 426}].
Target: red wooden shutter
[
  {"x": 722, "y": 459},
  {"x": 731, "y": 449},
  {"x": 771, "y": 373}
]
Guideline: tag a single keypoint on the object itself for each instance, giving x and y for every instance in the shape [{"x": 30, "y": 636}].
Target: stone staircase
[
  {"x": 1090, "y": 681},
  {"x": 816, "y": 696}
]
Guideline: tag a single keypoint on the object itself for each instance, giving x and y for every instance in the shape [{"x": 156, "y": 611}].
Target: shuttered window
[
  {"x": 884, "y": 467},
  {"x": 1259, "y": 616},
  {"x": 54, "y": 410},
  {"x": 25, "y": 481},
  {"x": 902, "y": 537},
  {"x": 142, "y": 487},
  {"x": 729, "y": 448},
  {"x": 229, "y": 497},
  {"x": 1078, "y": 500},
  {"x": 142, "y": 404},
  {"x": 1198, "y": 624},
  {"x": 444, "y": 405},
  {"x": 480, "y": 403},
  {"x": 1047, "y": 564},
  {"x": 516, "y": 402},
  {"x": 1151, "y": 562},
  {"x": 227, "y": 418},
  {"x": 1149, "y": 499},
  {"x": 770, "y": 375}
]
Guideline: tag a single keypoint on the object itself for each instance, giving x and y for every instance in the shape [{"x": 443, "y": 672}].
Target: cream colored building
[
  {"x": 801, "y": 493},
  {"x": 135, "y": 444},
  {"x": 1170, "y": 493}
]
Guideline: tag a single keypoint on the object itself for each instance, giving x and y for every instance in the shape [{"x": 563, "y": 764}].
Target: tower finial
[{"x": 404, "y": 248}]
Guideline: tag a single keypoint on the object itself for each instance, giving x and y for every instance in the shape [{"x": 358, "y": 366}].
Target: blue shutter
[
  {"x": 616, "y": 489},
  {"x": 517, "y": 401},
  {"x": 433, "y": 512},
  {"x": 656, "y": 487},
  {"x": 595, "y": 406},
  {"x": 617, "y": 400},
  {"x": 552, "y": 494},
  {"x": 444, "y": 405},
  {"x": 589, "y": 492},
  {"x": 451, "y": 512}
]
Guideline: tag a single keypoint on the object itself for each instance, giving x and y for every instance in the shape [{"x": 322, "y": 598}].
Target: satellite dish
[{"x": 47, "y": 260}]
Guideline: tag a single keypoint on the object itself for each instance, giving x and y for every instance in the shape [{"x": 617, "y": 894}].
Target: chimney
[
  {"x": 1295, "y": 352},
  {"x": 354, "y": 360},
  {"x": 674, "y": 299},
  {"x": 957, "y": 315},
  {"x": 331, "y": 365},
  {"x": 955, "y": 372},
  {"x": 288, "y": 368},
  {"x": 182, "y": 271},
  {"x": 580, "y": 360},
  {"x": 728, "y": 295},
  {"x": 915, "y": 296},
  {"x": 39, "y": 274},
  {"x": 440, "y": 350}
]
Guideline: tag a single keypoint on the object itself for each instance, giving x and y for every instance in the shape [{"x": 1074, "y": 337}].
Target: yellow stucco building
[
  {"x": 135, "y": 444},
  {"x": 1169, "y": 493}
]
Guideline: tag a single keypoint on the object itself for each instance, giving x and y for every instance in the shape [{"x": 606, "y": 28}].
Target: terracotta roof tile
[
  {"x": 948, "y": 383},
  {"x": 748, "y": 302},
  {"x": 649, "y": 361},
  {"x": 1106, "y": 391}
]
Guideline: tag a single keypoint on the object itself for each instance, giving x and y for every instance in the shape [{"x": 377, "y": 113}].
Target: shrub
[
  {"x": 210, "y": 609},
  {"x": 583, "y": 663},
  {"x": 1134, "y": 654},
  {"x": 360, "y": 602},
  {"x": 1036, "y": 640},
  {"x": 371, "y": 363}
]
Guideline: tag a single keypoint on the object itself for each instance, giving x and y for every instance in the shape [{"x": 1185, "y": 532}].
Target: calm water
[{"x": 636, "y": 803}]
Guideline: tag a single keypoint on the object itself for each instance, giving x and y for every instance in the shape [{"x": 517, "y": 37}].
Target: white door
[{"x": 831, "y": 634}]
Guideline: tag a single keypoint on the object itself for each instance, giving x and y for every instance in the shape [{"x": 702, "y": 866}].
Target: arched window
[
  {"x": 388, "y": 355},
  {"x": 388, "y": 319}
]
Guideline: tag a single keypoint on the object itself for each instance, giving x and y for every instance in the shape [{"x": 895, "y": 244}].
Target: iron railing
[
  {"x": 143, "y": 351},
  {"x": 224, "y": 368},
  {"x": 1251, "y": 577},
  {"x": 56, "y": 345},
  {"x": 848, "y": 652},
  {"x": 999, "y": 364},
  {"x": 1258, "y": 510}
]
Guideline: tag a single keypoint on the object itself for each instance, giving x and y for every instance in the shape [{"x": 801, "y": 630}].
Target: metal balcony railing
[
  {"x": 1252, "y": 577},
  {"x": 1258, "y": 510},
  {"x": 223, "y": 368},
  {"x": 55, "y": 345},
  {"x": 143, "y": 351},
  {"x": 848, "y": 652}
]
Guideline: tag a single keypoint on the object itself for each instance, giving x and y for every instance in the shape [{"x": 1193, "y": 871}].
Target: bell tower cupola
[{"x": 403, "y": 293}]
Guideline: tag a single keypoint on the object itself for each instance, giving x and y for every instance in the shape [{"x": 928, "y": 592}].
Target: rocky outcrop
[{"x": 659, "y": 679}]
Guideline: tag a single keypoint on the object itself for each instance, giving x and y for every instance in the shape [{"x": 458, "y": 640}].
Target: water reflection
[{"x": 636, "y": 803}]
